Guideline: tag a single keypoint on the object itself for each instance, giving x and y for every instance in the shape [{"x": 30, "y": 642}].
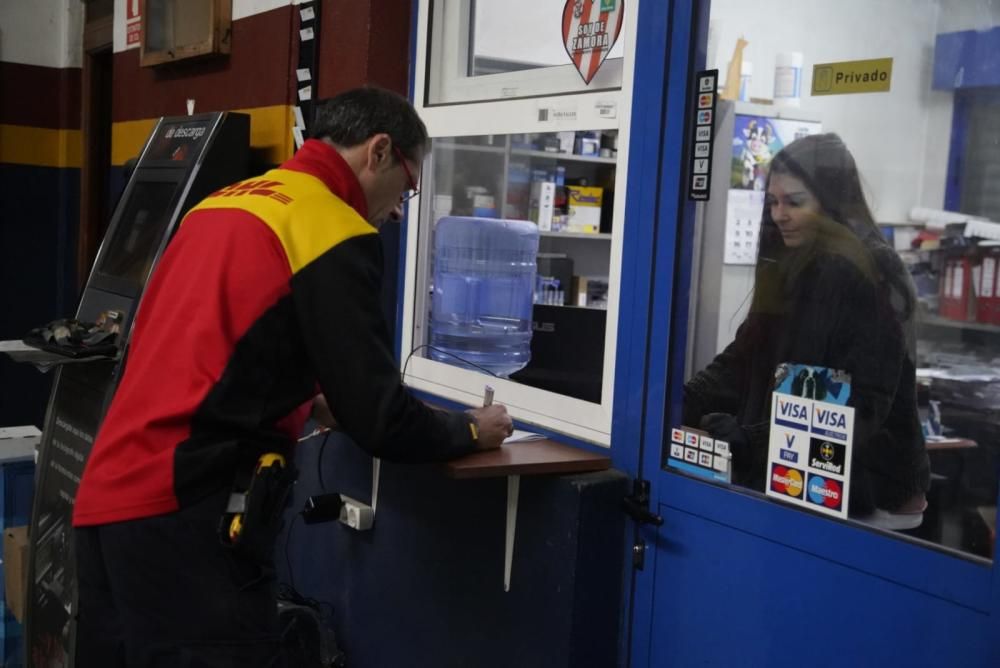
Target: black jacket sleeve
[
  {"x": 337, "y": 302},
  {"x": 718, "y": 387}
]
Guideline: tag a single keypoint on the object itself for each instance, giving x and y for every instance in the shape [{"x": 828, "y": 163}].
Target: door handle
[
  {"x": 641, "y": 514},
  {"x": 636, "y": 504}
]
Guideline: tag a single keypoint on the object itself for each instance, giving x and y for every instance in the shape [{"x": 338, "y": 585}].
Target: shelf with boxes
[
  {"x": 600, "y": 236},
  {"x": 958, "y": 284},
  {"x": 569, "y": 157},
  {"x": 954, "y": 260},
  {"x": 475, "y": 148},
  {"x": 563, "y": 182}
]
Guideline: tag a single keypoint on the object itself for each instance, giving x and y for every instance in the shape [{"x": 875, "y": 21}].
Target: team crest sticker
[{"x": 589, "y": 29}]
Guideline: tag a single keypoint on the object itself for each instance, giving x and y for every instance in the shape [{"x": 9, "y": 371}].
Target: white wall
[
  {"x": 899, "y": 138},
  {"x": 968, "y": 15},
  {"x": 47, "y": 33}
]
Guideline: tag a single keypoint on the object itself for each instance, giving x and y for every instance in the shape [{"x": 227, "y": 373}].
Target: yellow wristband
[{"x": 475, "y": 431}]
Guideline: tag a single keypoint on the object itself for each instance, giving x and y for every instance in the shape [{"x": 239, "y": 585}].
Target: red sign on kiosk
[{"x": 589, "y": 29}]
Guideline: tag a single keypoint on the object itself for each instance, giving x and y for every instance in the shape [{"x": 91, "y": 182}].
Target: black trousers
[{"x": 163, "y": 591}]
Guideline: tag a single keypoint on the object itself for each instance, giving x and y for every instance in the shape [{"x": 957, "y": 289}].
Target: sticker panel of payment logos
[
  {"x": 695, "y": 452},
  {"x": 809, "y": 450}
]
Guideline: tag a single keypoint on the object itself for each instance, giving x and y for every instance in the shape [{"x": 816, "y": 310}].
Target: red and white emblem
[{"x": 590, "y": 28}]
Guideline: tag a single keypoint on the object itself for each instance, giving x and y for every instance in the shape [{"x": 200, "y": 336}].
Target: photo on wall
[{"x": 756, "y": 140}]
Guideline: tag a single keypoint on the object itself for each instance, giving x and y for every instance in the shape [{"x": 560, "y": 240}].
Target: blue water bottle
[{"x": 484, "y": 279}]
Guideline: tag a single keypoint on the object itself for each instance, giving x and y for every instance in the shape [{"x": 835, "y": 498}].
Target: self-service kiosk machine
[{"x": 185, "y": 159}]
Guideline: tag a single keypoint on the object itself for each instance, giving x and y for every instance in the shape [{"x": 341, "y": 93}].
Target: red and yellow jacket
[{"x": 270, "y": 287}]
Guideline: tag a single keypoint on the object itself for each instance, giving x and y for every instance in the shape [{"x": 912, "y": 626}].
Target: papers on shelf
[{"x": 523, "y": 437}]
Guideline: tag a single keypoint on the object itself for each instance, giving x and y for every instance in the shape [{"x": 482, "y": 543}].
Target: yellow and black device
[{"x": 253, "y": 515}]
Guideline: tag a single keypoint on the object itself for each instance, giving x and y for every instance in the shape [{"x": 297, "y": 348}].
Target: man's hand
[
  {"x": 494, "y": 425},
  {"x": 322, "y": 414}
]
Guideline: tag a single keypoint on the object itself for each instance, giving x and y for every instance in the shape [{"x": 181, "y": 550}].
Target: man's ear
[{"x": 379, "y": 152}]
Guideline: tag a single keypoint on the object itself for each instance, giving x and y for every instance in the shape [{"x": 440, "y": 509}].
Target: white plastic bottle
[{"x": 787, "y": 78}]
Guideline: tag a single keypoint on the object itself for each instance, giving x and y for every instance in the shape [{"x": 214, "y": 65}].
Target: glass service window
[
  {"x": 514, "y": 244},
  {"x": 848, "y": 258},
  {"x": 534, "y": 309}
]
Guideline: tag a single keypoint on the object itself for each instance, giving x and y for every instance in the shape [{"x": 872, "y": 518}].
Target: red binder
[{"x": 957, "y": 300}]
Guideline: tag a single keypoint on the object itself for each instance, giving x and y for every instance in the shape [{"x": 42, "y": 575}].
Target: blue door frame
[{"x": 732, "y": 579}]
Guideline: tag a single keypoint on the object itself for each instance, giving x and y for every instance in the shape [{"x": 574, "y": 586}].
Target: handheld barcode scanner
[{"x": 253, "y": 517}]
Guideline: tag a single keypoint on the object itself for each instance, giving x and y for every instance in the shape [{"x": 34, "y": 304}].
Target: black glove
[{"x": 725, "y": 427}]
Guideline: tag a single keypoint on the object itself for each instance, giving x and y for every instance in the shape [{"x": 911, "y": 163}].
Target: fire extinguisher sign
[{"x": 133, "y": 23}]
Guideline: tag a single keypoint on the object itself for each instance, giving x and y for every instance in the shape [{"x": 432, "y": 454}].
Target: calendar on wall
[
  {"x": 743, "y": 211},
  {"x": 756, "y": 140}
]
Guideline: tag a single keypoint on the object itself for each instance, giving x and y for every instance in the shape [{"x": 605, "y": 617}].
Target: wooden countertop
[{"x": 527, "y": 458}]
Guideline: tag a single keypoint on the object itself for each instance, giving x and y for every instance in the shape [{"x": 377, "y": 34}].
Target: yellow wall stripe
[
  {"x": 270, "y": 132},
  {"x": 128, "y": 138},
  {"x": 40, "y": 147}
]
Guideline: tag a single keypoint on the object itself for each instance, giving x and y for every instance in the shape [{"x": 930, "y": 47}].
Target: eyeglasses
[{"x": 414, "y": 190}]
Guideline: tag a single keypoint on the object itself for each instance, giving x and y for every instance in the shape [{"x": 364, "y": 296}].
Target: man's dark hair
[{"x": 352, "y": 117}]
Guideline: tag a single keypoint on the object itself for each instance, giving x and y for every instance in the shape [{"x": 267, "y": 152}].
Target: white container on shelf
[
  {"x": 746, "y": 75},
  {"x": 788, "y": 78}
]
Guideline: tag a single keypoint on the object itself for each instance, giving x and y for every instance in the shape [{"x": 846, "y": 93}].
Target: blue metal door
[{"x": 730, "y": 578}]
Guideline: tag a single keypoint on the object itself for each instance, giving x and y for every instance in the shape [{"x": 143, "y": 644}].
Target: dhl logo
[{"x": 260, "y": 188}]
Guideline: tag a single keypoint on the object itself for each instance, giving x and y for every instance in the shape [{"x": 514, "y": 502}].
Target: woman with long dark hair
[{"x": 829, "y": 292}]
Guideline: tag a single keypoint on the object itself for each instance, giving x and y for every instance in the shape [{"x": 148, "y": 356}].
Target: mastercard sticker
[{"x": 786, "y": 480}]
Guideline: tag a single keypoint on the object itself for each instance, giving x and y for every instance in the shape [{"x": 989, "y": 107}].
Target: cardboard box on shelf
[
  {"x": 584, "y": 209},
  {"x": 15, "y": 569},
  {"x": 543, "y": 197},
  {"x": 587, "y": 143},
  {"x": 566, "y": 141},
  {"x": 590, "y": 291}
]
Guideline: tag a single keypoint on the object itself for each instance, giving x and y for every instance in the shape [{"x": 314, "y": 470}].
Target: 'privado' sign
[{"x": 854, "y": 76}]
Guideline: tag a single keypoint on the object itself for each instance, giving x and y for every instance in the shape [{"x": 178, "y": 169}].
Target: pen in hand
[{"x": 491, "y": 423}]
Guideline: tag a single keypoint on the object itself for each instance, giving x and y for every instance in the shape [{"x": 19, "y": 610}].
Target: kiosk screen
[{"x": 138, "y": 233}]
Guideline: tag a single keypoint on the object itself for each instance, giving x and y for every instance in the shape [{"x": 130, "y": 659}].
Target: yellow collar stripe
[{"x": 307, "y": 218}]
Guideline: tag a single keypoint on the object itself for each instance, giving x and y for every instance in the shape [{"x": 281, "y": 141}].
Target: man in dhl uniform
[{"x": 267, "y": 297}]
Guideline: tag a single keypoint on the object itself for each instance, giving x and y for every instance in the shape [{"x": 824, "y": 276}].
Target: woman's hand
[{"x": 725, "y": 427}]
